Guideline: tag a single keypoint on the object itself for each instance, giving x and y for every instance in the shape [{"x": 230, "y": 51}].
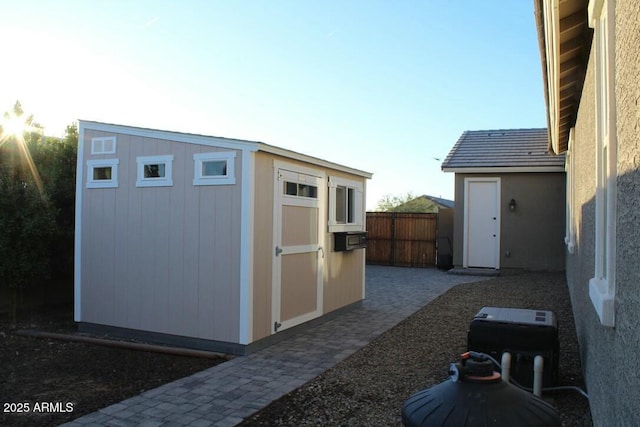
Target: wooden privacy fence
[{"x": 402, "y": 239}]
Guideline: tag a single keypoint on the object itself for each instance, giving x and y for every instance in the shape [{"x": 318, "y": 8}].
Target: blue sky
[{"x": 383, "y": 86}]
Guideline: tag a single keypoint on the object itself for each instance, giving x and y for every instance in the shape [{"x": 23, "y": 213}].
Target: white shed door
[
  {"x": 482, "y": 222},
  {"x": 298, "y": 254}
]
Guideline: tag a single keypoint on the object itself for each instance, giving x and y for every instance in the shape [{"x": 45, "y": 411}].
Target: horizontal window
[
  {"x": 102, "y": 173},
  {"x": 154, "y": 171},
  {"x": 216, "y": 168},
  {"x": 300, "y": 190},
  {"x": 103, "y": 145}
]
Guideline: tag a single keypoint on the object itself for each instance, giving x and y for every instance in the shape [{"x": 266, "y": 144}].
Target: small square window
[
  {"x": 102, "y": 173},
  {"x": 154, "y": 171},
  {"x": 216, "y": 168},
  {"x": 103, "y": 145}
]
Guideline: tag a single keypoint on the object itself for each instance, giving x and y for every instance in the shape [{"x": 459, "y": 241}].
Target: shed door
[
  {"x": 298, "y": 254},
  {"x": 482, "y": 223}
]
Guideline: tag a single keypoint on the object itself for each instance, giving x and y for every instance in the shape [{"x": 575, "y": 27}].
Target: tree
[
  {"x": 407, "y": 203},
  {"x": 35, "y": 177}
]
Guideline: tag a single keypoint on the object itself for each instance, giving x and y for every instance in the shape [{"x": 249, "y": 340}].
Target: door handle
[
  {"x": 278, "y": 250},
  {"x": 320, "y": 249}
]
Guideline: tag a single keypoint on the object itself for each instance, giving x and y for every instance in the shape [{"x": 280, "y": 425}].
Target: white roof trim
[
  {"x": 214, "y": 141},
  {"x": 313, "y": 160},
  {"x": 508, "y": 169}
]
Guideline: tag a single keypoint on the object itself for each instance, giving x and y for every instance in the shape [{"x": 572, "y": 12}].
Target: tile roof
[{"x": 522, "y": 149}]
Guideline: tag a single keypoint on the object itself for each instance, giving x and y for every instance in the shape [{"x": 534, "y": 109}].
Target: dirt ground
[{"x": 54, "y": 381}]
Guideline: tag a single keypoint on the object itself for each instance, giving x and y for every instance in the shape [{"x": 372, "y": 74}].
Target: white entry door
[
  {"x": 298, "y": 253},
  {"x": 482, "y": 223}
]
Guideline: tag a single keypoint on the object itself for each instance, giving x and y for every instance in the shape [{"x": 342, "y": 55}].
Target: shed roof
[
  {"x": 503, "y": 150},
  {"x": 191, "y": 138}
]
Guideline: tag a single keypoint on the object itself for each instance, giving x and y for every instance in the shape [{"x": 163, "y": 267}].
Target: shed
[
  {"x": 509, "y": 200},
  {"x": 209, "y": 242}
]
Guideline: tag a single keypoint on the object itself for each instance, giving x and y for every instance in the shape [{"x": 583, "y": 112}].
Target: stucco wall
[
  {"x": 609, "y": 354},
  {"x": 531, "y": 238}
]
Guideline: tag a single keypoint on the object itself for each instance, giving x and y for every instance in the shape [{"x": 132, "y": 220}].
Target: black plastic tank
[{"x": 475, "y": 395}]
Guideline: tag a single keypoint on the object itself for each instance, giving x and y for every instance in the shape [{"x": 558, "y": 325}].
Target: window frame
[
  {"x": 101, "y": 142},
  {"x": 102, "y": 183},
  {"x": 358, "y": 223},
  {"x": 602, "y": 286},
  {"x": 200, "y": 158},
  {"x": 165, "y": 181},
  {"x": 569, "y": 168}
]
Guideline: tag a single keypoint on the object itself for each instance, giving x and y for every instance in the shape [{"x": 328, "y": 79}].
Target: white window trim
[
  {"x": 228, "y": 179},
  {"x": 165, "y": 181},
  {"x": 97, "y": 145},
  {"x": 570, "y": 227},
  {"x": 358, "y": 214},
  {"x": 602, "y": 287},
  {"x": 102, "y": 183}
]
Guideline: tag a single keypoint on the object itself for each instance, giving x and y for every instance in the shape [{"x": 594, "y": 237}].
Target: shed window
[
  {"x": 300, "y": 190},
  {"x": 216, "y": 168},
  {"x": 346, "y": 205},
  {"x": 102, "y": 173},
  {"x": 103, "y": 145},
  {"x": 154, "y": 171}
]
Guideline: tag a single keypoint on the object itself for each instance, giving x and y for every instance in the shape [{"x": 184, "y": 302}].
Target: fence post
[{"x": 392, "y": 261}]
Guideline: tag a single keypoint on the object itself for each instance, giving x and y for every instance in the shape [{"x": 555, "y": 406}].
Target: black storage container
[
  {"x": 350, "y": 240},
  {"x": 523, "y": 333}
]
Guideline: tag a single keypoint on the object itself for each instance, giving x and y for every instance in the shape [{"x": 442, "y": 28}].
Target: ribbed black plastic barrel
[{"x": 477, "y": 401}]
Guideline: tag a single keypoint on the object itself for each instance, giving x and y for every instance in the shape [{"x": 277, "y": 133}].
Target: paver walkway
[{"x": 226, "y": 394}]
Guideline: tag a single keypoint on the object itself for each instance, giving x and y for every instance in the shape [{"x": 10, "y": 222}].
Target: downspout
[{"x": 538, "y": 8}]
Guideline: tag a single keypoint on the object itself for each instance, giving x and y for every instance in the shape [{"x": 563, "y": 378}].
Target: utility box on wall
[
  {"x": 524, "y": 334},
  {"x": 348, "y": 241}
]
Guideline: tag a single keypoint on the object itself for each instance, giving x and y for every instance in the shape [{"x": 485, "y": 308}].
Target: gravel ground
[{"x": 370, "y": 386}]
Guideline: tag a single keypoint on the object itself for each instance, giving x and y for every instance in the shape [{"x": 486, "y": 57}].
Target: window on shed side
[
  {"x": 103, "y": 145},
  {"x": 215, "y": 168},
  {"x": 102, "y": 173},
  {"x": 300, "y": 190},
  {"x": 154, "y": 171},
  {"x": 346, "y": 204}
]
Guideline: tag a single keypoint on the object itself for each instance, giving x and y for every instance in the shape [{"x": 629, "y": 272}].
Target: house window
[
  {"x": 102, "y": 173},
  {"x": 346, "y": 205},
  {"x": 570, "y": 235},
  {"x": 214, "y": 168},
  {"x": 154, "y": 171},
  {"x": 103, "y": 145},
  {"x": 602, "y": 285}
]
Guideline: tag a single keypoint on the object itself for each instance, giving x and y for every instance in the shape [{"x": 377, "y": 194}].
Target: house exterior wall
[
  {"x": 343, "y": 277},
  {"x": 160, "y": 259},
  {"x": 609, "y": 353},
  {"x": 531, "y": 238}
]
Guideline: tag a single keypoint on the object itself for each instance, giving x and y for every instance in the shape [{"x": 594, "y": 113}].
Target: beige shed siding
[
  {"x": 344, "y": 275},
  {"x": 262, "y": 244},
  {"x": 161, "y": 259},
  {"x": 343, "y": 271}
]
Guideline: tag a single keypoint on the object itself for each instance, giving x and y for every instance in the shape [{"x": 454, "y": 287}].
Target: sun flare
[{"x": 14, "y": 126}]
